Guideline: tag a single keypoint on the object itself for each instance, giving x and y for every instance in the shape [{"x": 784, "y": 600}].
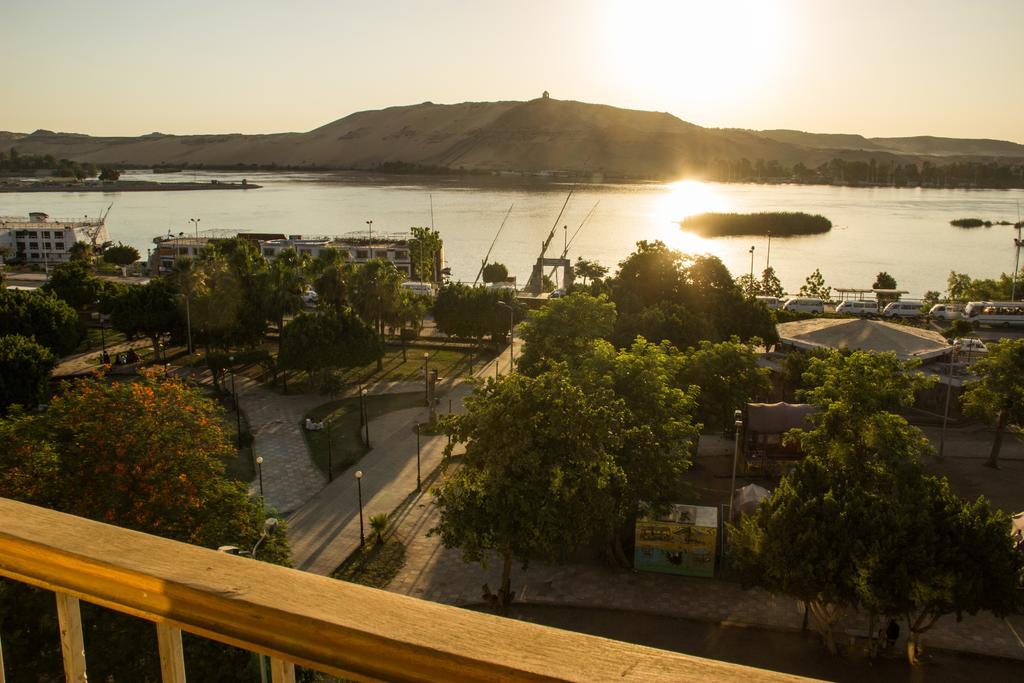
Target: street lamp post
[
  {"x": 511, "y": 324},
  {"x": 768, "y": 260},
  {"x": 259, "y": 469},
  {"x": 738, "y": 424},
  {"x": 751, "y": 265},
  {"x": 426, "y": 380},
  {"x": 195, "y": 222},
  {"x": 369, "y": 232},
  {"x": 359, "y": 487},
  {"x": 234, "y": 396},
  {"x": 330, "y": 454},
  {"x": 417, "y": 456},
  {"x": 366, "y": 416},
  {"x": 945, "y": 412},
  {"x": 1016, "y": 264}
]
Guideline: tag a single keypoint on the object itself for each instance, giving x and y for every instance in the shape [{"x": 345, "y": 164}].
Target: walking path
[
  {"x": 325, "y": 531},
  {"x": 287, "y": 476},
  {"x": 434, "y": 573}
]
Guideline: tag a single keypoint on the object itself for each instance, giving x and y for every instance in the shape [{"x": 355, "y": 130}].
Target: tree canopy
[
  {"x": 322, "y": 341},
  {"x": 74, "y": 282},
  {"x": 998, "y": 394},
  {"x": 25, "y": 367},
  {"x": 121, "y": 254},
  {"x": 495, "y": 272},
  {"x": 40, "y": 315},
  {"x": 815, "y": 286},
  {"x": 564, "y": 329},
  {"x": 146, "y": 455}
]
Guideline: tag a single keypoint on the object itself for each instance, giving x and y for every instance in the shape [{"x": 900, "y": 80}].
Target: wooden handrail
[{"x": 332, "y": 626}]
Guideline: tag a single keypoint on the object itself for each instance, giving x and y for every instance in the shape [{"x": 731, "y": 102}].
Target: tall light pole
[
  {"x": 945, "y": 412},
  {"x": 768, "y": 260},
  {"x": 738, "y": 424},
  {"x": 259, "y": 469},
  {"x": 234, "y": 396},
  {"x": 426, "y": 380},
  {"x": 330, "y": 454},
  {"x": 359, "y": 487},
  {"x": 511, "y": 324},
  {"x": 195, "y": 222},
  {"x": 369, "y": 233},
  {"x": 417, "y": 456},
  {"x": 751, "y": 264},
  {"x": 366, "y": 416},
  {"x": 1016, "y": 264}
]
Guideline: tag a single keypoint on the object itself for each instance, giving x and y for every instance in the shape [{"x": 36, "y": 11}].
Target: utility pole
[{"x": 768, "y": 260}]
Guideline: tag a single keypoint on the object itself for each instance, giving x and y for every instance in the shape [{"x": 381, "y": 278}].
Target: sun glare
[
  {"x": 682, "y": 199},
  {"x": 701, "y": 51}
]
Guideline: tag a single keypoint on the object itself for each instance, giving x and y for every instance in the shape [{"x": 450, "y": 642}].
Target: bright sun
[{"x": 701, "y": 50}]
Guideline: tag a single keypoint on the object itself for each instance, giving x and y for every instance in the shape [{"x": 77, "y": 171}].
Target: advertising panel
[{"x": 680, "y": 542}]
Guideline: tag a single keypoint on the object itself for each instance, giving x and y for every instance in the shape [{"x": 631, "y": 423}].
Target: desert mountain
[{"x": 535, "y": 136}]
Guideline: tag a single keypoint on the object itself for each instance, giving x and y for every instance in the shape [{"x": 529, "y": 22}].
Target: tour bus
[
  {"x": 1002, "y": 313},
  {"x": 863, "y": 309}
]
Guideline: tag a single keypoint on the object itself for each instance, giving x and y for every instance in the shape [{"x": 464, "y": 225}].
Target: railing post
[
  {"x": 2, "y": 678},
  {"x": 172, "y": 656},
  {"x": 72, "y": 644},
  {"x": 281, "y": 671}
]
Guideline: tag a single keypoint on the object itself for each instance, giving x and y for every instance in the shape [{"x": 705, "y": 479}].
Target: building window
[
  {"x": 46, "y": 234},
  {"x": 34, "y": 254},
  {"x": 269, "y": 253},
  {"x": 361, "y": 253},
  {"x": 47, "y": 246},
  {"x": 59, "y": 246},
  {"x": 183, "y": 251},
  {"x": 33, "y": 245},
  {"x": 402, "y": 255}
]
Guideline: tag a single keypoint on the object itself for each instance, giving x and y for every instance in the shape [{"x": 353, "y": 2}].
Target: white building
[
  {"x": 41, "y": 239},
  {"x": 357, "y": 250}
]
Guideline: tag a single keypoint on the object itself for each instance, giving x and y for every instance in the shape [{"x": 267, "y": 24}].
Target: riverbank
[{"x": 120, "y": 186}]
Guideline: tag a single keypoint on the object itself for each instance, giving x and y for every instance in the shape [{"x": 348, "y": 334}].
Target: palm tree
[{"x": 376, "y": 294}]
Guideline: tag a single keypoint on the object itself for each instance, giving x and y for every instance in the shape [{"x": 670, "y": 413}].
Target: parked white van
[
  {"x": 946, "y": 312},
  {"x": 772, "y": 302},
  {"x": 863, "y": 309},
  {"x": 802, "y": 305},
  {"x": 424, "y": 288},
  {"x": 903, "y": 309}
]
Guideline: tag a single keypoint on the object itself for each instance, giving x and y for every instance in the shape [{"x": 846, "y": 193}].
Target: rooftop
[{"x": 864, "y": 335}]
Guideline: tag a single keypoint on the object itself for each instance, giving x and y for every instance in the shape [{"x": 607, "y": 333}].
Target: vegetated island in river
[
  {"x": 778, "y": 223},
  {"x": 977, "y": 223},
  {"x": 118, "y": 186}
]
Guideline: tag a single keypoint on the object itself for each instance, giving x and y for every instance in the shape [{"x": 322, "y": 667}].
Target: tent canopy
[
  {"x": 863, "y": 335},
  {"x": 778, "y": 418}
]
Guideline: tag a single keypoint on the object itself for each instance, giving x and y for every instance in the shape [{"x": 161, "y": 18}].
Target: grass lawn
[
  {"x": 449, "y": 362},
  {"x": 375, "y": 564},
  {"x": 346, "y": 439},
  {"x": 94, "y": 339}
]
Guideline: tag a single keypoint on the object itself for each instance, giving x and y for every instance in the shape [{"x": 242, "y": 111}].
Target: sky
[{"x": 876, "y": 67}]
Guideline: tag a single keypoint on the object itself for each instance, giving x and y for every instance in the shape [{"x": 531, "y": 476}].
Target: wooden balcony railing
[{"x": 298, "y": 618}]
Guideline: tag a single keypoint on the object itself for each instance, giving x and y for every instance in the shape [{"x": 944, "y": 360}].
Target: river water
[{"x": 903, "y": 231}]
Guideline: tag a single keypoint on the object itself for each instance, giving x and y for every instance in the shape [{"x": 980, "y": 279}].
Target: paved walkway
[
  {"x": 289, "y": 476},
  {"x": 434, "y": 573},
  {"x": 325, "y": 531}
]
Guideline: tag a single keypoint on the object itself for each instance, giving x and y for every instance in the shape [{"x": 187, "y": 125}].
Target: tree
[
  {"x": 319, "y": 342},
  {"x": 379, "y": 525},
  {"x": 931, "y": 297},
  {"x": 376, "y": 294},
  {"x": 957, "y": 285},
  {"x": 728, "y": 376},
  {"x": 150, "y": 310},
  {"x": 815, "y": 286},
  {"x": 74, "y": 282},
  {"x": 474, "y": 312},
  {"x": 25, "y": 367},
  {"x": 41, "y": 315},
  {"x": 332, "y": 286},
  {"x": 217, "y": 299},
  {"x": 121, "y": 255},
  {"x": 564, "y": 330},
  {"x": 749, "y": 285},
  {"x": 884, "y": 281},
  {"x": 146, "y": 455},
  {"x": 770, "y": 284},
  {"x": 998, "y": 394},
  {"x": 424, "y": 254},
  {"x": 284, "y": 285},
  {"x": 589, "y": 270},
  {"x": 533, "y": 481},
  {"x": 109, "y": 173},
  {"x": 495, "y": 272},
  {"x": 81, "y": 251}
]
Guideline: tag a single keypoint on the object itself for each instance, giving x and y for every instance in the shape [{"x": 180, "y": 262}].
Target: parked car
[
  {"x": 310, "y": 297},
  {"x": 970, "y": 346},
  {"x": 863, "y": 309},
  {"x": 772, "y": 302},
  {"x": 903, "y": 309},
  {"x": 804, "y": 305},
  {"x": 946, "y": 312},
  {"x": 557, "y": 294}
]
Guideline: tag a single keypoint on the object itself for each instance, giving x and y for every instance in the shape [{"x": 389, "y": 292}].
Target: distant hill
[{"x": 542, "y": 135}]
